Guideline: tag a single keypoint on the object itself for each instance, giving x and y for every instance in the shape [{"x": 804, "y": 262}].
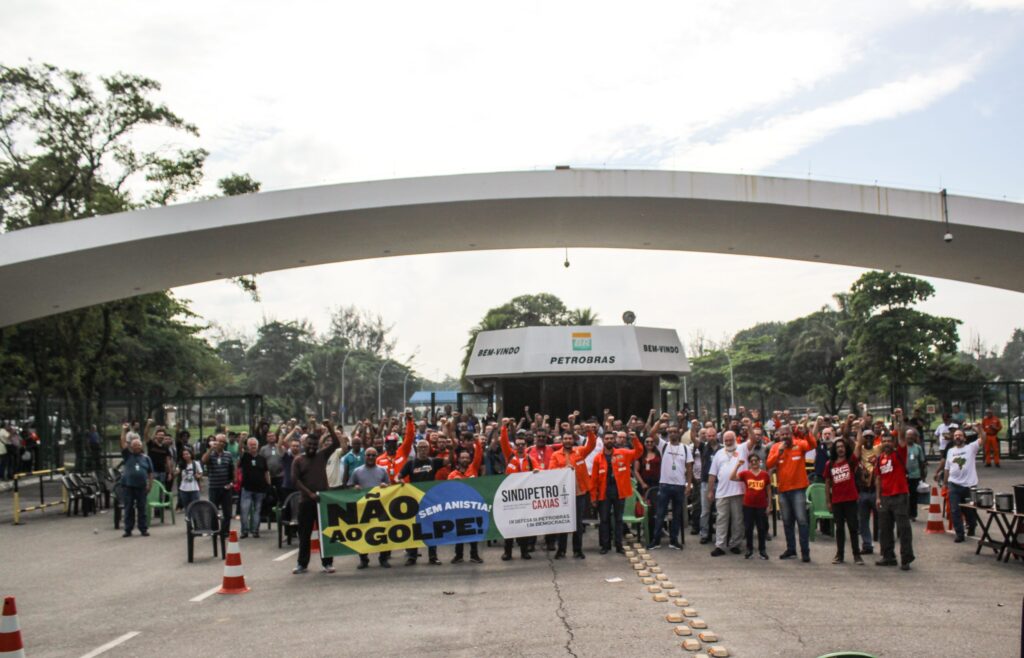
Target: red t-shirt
[
  {"x": 756, "y": 494},
  {"x": 892, "y": 468},
  {"x": 844, "y": 487}
]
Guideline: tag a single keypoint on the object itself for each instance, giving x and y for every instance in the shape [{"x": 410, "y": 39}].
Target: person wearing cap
[
  {"x": 468, "y": 469},
  {"x": 517, "y": 461},
  {"x": 788, "y": 457},
  {"x": 991, "y": 426},
  {"x": 891, "y": 492},
  {"x": 395, "y": 456},
  {"x": 610, "y": 486},
  {"x": 571, "y": 456},
  {"x": 866, "y": 453},
  {"x": 421, "y": 468}
]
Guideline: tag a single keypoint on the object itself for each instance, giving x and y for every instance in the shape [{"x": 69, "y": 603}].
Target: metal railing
[{"x": 18, "y": 509}]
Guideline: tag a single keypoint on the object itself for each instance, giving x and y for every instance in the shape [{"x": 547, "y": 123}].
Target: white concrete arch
[{"x": 49, "y": 269}]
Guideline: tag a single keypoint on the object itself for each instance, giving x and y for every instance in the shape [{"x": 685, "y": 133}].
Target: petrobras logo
[{"x": 581, "y": 341}]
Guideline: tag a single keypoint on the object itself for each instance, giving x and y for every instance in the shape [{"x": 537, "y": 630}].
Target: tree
[
  {"x": 1011, "y": 363},
  {"x": 583, "y": 317},
  {"x": 890, "y": 341},
  {"x": 810, "y": 355}
]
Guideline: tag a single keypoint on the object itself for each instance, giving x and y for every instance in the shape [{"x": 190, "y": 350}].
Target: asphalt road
[{"x": 79, "y": 586}]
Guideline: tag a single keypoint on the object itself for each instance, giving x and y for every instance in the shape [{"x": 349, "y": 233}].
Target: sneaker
[
  {"x": 735, "y": 550},
  {"x": 434, "y": 561},
  {"x": 385, "y": 564},
  {"x": 858, "y": 560},
  {"x": 905, "y": 566},
  {"x": 127, "y": 534},
  {"x": 805, "y": 558},
  {"x": 457, "y": 559},
  {"x": 409, "y": 561},
  {"x": 144, "y": 533},
  {"x": 476, "y": 559},
  {"x": 867, "y": 550},
  {"x": 327, "y": 569},
  {"x": 970, "y": 532},
  {"x": 763, "y": 554},
  {"x": 746, "y": 556},
  {"x": 837, "y": 559},
  {"x": 579, "y": 555},
  {"x": 788, "y": 555},
  {"x": 676, "y": 545},
  {"x": 526, "y": 555},
  {"x": 244, "y": 535},
  {"x": 717, "y": 552},
  {"x": 256, "y": 534},
  {"x": 297, "y": 570},
  {"x": 620, "y": 550},
  {"x": 652, "y": 547}
]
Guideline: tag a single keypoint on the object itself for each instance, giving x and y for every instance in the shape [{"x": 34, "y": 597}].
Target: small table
[{"x": 1009, "y": 525}]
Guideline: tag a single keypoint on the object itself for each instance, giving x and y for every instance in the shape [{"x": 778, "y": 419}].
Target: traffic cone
[
  {"x": 234, "y": 578},
  {"x": 10, "y": 632},
  {"x": 934, "y": 526},
  {"x": 314, "y": 540}
]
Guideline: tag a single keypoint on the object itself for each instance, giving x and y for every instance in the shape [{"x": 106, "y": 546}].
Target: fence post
[
  {"x": 17, "y": 502},
  {"x": 718, "y": 407}
]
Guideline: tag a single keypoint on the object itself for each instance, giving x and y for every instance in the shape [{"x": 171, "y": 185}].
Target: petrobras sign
[{"x": 545, "y": 350}]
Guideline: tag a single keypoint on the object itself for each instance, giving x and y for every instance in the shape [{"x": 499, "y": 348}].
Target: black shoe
[
  {"x": 694, "y": 531},
  {"x": 434, "y": 561},
  {"x": 144, "y": 533},
  {"x": 867, "y": 551},
  {"x": 620, "y": 550},
  {"x": 905, "y": 566},
  {"x": 457, "y": 559},
  {"x": 603, "y": 551},
  {"x": 970, "y": 532},
  {"x": 805, "y": 558},
  {"x": 579, "y": 555},
  {"x": 525, "y": 555},
  {"x": 705, "y": 540},
  {"x": 506, "y": 556},
  {"x": 244, "y": 535},
  {"x": 959, "y": 539},
  {"x": 256, "y": 534},
  {"x": 838, "y": 559},
  {"x": 362, "y": 565},
  {"x": 885, "y": 563},
  {"x": 988, "y": 465},
  {"x": 127, "y": 534},
  {"x": 735, "y": 550},
  {"x": 717, "y": 552},
  {"x": 559, "y": 555},
  {"x": 998, "y": 466},
  {"x": 788, "y": 555},
  {"x": 747, "y": 555},
  {"x": 409, "y": 561},
  {"x": 476, "y": 559},
  {"x": 385, "y": 564},
  {"x": 763, "y": 554}
]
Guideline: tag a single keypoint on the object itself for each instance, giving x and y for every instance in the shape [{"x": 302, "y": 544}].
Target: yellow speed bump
[
  {"x": 690, "y": 644},
  {"x": 653, "y": 589},
  {"x": 634, "y": 560},
  {"x": 689, "y": 612},
  {"x": 647, "y": 581},
  {"x": 708, "y": 636},
  {"x": 660, "y": 598},
  {"x": 671, "y": 592},
  {"x": 718, "y": 652},
  {"x": 698, "y": 624},
  {"x": 639, "y": 567},
  {"x": 674, "y": 618},
  {"x": 661, "y": 576},
  {"x": 650, "y": 562},
  {"x": 654, "y": 567},
  {"x": 630, "y": 553},
  {"x": 683, "y": 631},
  {"x": 638, "y": 545},
  {"x": 665, "y": 583},
  {"x": 643, "y": 573},
  {"x": 682, "y": 603}
]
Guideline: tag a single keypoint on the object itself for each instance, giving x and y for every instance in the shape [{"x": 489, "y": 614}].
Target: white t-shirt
[
  {"x": 598, "y": 449},
  {"x": 962, "y": 465},
  {"x": 190, "y": 476},
  {"x": 721, "y": 467},
  {"x": 940, "y": 433},
  {"x": 674, "y": 459}
]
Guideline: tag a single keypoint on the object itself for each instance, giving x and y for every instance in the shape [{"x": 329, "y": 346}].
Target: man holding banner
[
  {"x": 370, "y": 476},
  {"x": 574, "y": 458},
  {"x": 517, "y": 461},
  {"x": 423, "y": 468},
  {"x": 467, "y": 469}
]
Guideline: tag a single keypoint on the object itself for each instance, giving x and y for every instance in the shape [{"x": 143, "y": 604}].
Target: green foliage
[
  {"x": 810, "y": 355},
  {"x": 237, "y": 184}
]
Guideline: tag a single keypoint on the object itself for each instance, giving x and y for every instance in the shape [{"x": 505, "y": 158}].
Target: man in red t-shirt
[{"x": 891, "y": 494}]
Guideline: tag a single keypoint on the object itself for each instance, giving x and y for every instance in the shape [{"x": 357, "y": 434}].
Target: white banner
[{"x": 541, "y": 503}]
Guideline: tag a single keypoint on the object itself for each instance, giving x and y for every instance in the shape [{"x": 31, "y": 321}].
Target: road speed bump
[
  {"x": 682, "y": 603},
  {"x": 650, "y": 562},
  {"x": 690, "y": 644},
  {"x": 673, "y": 593},
  {"x": 666, "y": 584},
  {"x": 718, "y": 652},
  {"x": 660, "y": 598},
  {"x": 654, "y": 567},
  {"x": 661, "y": 576},
  {"x": 674, "y": 618},
  {"x": 639, "y": 567},
  {"x": 643, "y": 573},
  {"x": 630, "y": 553},
  {"x": 653, "y": 589},
  {"x": 683, "y": 631},
  {"x": 638, "y": 545},
  {"x": 647, "y": 581},
  {"x": 698, "y": 624},
  {"x": 689, "y": 612},
  {"x": 708, "y": 636},
  {"x": 634, "y": 560}
]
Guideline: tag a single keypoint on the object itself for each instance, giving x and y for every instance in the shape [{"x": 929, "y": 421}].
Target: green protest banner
[{"x": 435, "y": 513}]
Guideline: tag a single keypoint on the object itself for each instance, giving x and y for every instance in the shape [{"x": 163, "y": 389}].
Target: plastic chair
[
  {"x": 817, "y": 508},
  {"x": 630, "y": 517},
  {"x": 90, "y": 492},
  {"x": 288, "y": 518},
  {"x": 202, "y": 519},
  {"x": 118, "y": 505},
  {"x": 158, "y": 498},
  {"x": 74, "y": 494}
]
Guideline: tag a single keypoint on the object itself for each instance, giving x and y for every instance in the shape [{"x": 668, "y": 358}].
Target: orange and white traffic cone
[
  {"x": 934, "y": 526},
  {"x": 11, "y": 645},
  {"x": 314, "y": 540},
  {"x": 234, "y": 578}
]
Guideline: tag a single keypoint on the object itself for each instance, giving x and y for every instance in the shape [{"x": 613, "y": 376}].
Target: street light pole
[
  {"x": 405, "y": 393},
  {"x": 343, "y": 362},
  {"x": 732, "y": 387},
  {"x": 380, "y": 409}
]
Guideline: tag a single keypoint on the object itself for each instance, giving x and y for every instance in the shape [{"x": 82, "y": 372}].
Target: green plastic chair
[
  {"x": 629, "y": 516},
  {"x": 159, "y": 498},
  {"x": 817, "y": 508}
]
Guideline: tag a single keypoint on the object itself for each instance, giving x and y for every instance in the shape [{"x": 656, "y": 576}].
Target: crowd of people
[{"x": 719, "y": 481}]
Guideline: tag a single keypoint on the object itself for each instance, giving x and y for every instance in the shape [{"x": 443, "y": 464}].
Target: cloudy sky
[{"x": 923, "y": 94}]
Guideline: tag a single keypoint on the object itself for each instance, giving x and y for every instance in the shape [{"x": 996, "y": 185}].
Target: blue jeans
[
  {"x": 252, "y": 503},
  {"x": 957, "y": 495},
  {"x": 865, "y": 508},
  {"x": 185, "y": 498},
  {"x": 676, "y": 494},
  {"x": 794, "y": 511},
  {"x": 135, "y": 505}
]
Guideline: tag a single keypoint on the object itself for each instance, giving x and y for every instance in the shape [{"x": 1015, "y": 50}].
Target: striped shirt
[{"x": 220, "y": 469}]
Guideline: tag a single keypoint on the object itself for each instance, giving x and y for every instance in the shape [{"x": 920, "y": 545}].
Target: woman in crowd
[{"x": 841, "y": 495}]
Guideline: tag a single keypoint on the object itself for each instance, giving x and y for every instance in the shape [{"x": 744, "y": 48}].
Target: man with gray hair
[
  {"x": 136, "y": 479},
  {"x": 220, "y": 471},
  {"x": 255, "y": 484},
  {"x": 727, "y": 494}
]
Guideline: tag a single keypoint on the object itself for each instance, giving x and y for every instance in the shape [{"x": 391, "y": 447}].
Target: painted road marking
[
  {"x": 209, "y": 592},
  {"x": 110, "y": 645},
  {"x": 287, "y": 555}
]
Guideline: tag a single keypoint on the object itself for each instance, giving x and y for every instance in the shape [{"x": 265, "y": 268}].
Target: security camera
[
  {"x": 948, "y": 237},
  {"x": 566, "y": 263}
]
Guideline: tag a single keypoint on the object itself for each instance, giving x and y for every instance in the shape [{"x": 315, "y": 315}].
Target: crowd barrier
[{"x": 18, "y": 509}]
